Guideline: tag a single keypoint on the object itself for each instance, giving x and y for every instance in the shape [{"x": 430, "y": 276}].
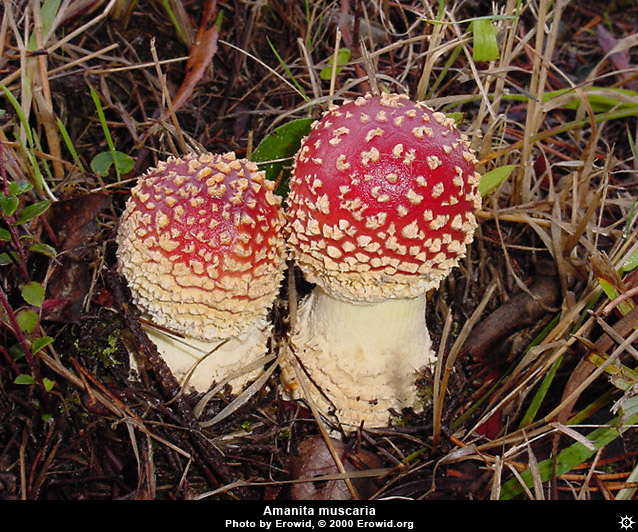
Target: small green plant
[
  {"x": 105, "y": 353},
  {"x": 572, "y": 456},
  {"x": 102, "y": 162},
  {"x": 21, "y": 316}
]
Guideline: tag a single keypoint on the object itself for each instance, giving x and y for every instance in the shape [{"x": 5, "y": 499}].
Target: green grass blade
[
  {"x": 38, "y": 147},
  {"x": 634, "y": 148},
  {"x": 29, "y": 151},
  {"x": 168, "y": 8},
  {"x": 105, "y": 128},
  {"x": 285, "y": 67},
  {"x": 539, "y": 397},
  {"x": 20, "y": 112},
  {"x": 48, "y": 12},
  {"x": 100, "y": 114},
  {"x": 69, "y": 144},
  {"x": 570, "y": 457}
]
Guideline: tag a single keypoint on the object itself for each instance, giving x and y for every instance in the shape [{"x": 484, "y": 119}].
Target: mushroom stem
[
  {"x": 360, "y": 355},
  {"x": 204, "y": 362}
]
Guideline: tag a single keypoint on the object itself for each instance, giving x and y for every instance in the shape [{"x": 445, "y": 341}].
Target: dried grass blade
[
  {"x": 449, "y": 362},
  {"x": 536, "y": 474},
  {"x": 242, "y": 398},
  {"x": 117, "y": 409},
  {"x": 62, "y": 41},
  {"x": 43, "y": 101},
  {"x": 201, "y": 404}
]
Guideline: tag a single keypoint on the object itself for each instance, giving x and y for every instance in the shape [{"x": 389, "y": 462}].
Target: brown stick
[
  {"x": 522, "y": 310},
  {"x": 170, "y": 386}
]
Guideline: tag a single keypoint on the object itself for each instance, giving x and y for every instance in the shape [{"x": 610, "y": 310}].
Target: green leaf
[
  {"x": 16, "y": 352},
  {"x": 8, "y": 258},
  {"x": 276, "y": 149},
  {"x": 48, "y": 384},
  {"x": 40, "y": 343},
  {"x": 630, "y": 406},
  {"x": 32, "y": 211},
  {"x": 5, "y": 236},
  {"x": 485, "y": 44},
  {"x": 19, "y": 187},
  {"x": 27, "y": 320},
  {"x": 493, "y": 178},
  {"x": 624, "y": 306},
  {"x": 8, "y": 204},
  {"x": 102, "y": 162},
  {"x": 24, "y": 379},
  {"x": 457, "y": 117},
  {"x": 630, "y": 264},
  {"x": 33, "y": 293},
  {"x": 608, "y": 288},
  {"x": 620, "y": 375},
  {"x": 45, "y": 249},
  {"x": 343, "y": 56}
]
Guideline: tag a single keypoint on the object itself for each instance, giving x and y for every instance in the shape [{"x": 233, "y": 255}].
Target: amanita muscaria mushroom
[
  {"x": 380, "y": 210},
  {"x": 201, "y": 247}
]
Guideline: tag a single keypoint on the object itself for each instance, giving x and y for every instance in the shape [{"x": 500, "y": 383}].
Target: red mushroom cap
[
  {"x": 200, "y": 244},
  {"x": 382, "y": 198}
]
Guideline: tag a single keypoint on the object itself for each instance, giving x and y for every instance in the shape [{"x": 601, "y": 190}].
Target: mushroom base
[
  {"x": 361, "y": 360},
  {"x": 200, "y": 364}
]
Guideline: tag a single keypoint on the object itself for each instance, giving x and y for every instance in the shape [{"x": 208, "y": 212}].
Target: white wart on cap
[{"x": 201, "y": 248}]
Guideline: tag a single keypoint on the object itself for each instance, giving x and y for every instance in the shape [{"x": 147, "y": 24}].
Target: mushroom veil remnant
[
  {"x": 380, "y": 210},
  {"x": 201, "y": 247}
]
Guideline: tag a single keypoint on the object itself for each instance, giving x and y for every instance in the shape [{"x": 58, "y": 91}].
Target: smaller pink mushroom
[{"x": 201, "y": 247}]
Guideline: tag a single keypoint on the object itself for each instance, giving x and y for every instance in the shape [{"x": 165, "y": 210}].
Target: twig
[{"x": 168, "y": 383}]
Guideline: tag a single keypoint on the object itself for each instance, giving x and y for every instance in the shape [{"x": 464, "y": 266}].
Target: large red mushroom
[
  {"x": 380, "y": 210},
  {"x": 201, "y": 247}
]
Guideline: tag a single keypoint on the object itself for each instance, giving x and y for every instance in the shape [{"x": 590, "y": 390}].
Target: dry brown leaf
[{"x": 314, "y": 460}]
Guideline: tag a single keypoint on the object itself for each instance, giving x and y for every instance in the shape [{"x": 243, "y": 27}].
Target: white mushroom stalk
[
  {"x": 380, "y": 210},
  {"x": 362, "y": 373},
  {"x": 201, "y": 248}
]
